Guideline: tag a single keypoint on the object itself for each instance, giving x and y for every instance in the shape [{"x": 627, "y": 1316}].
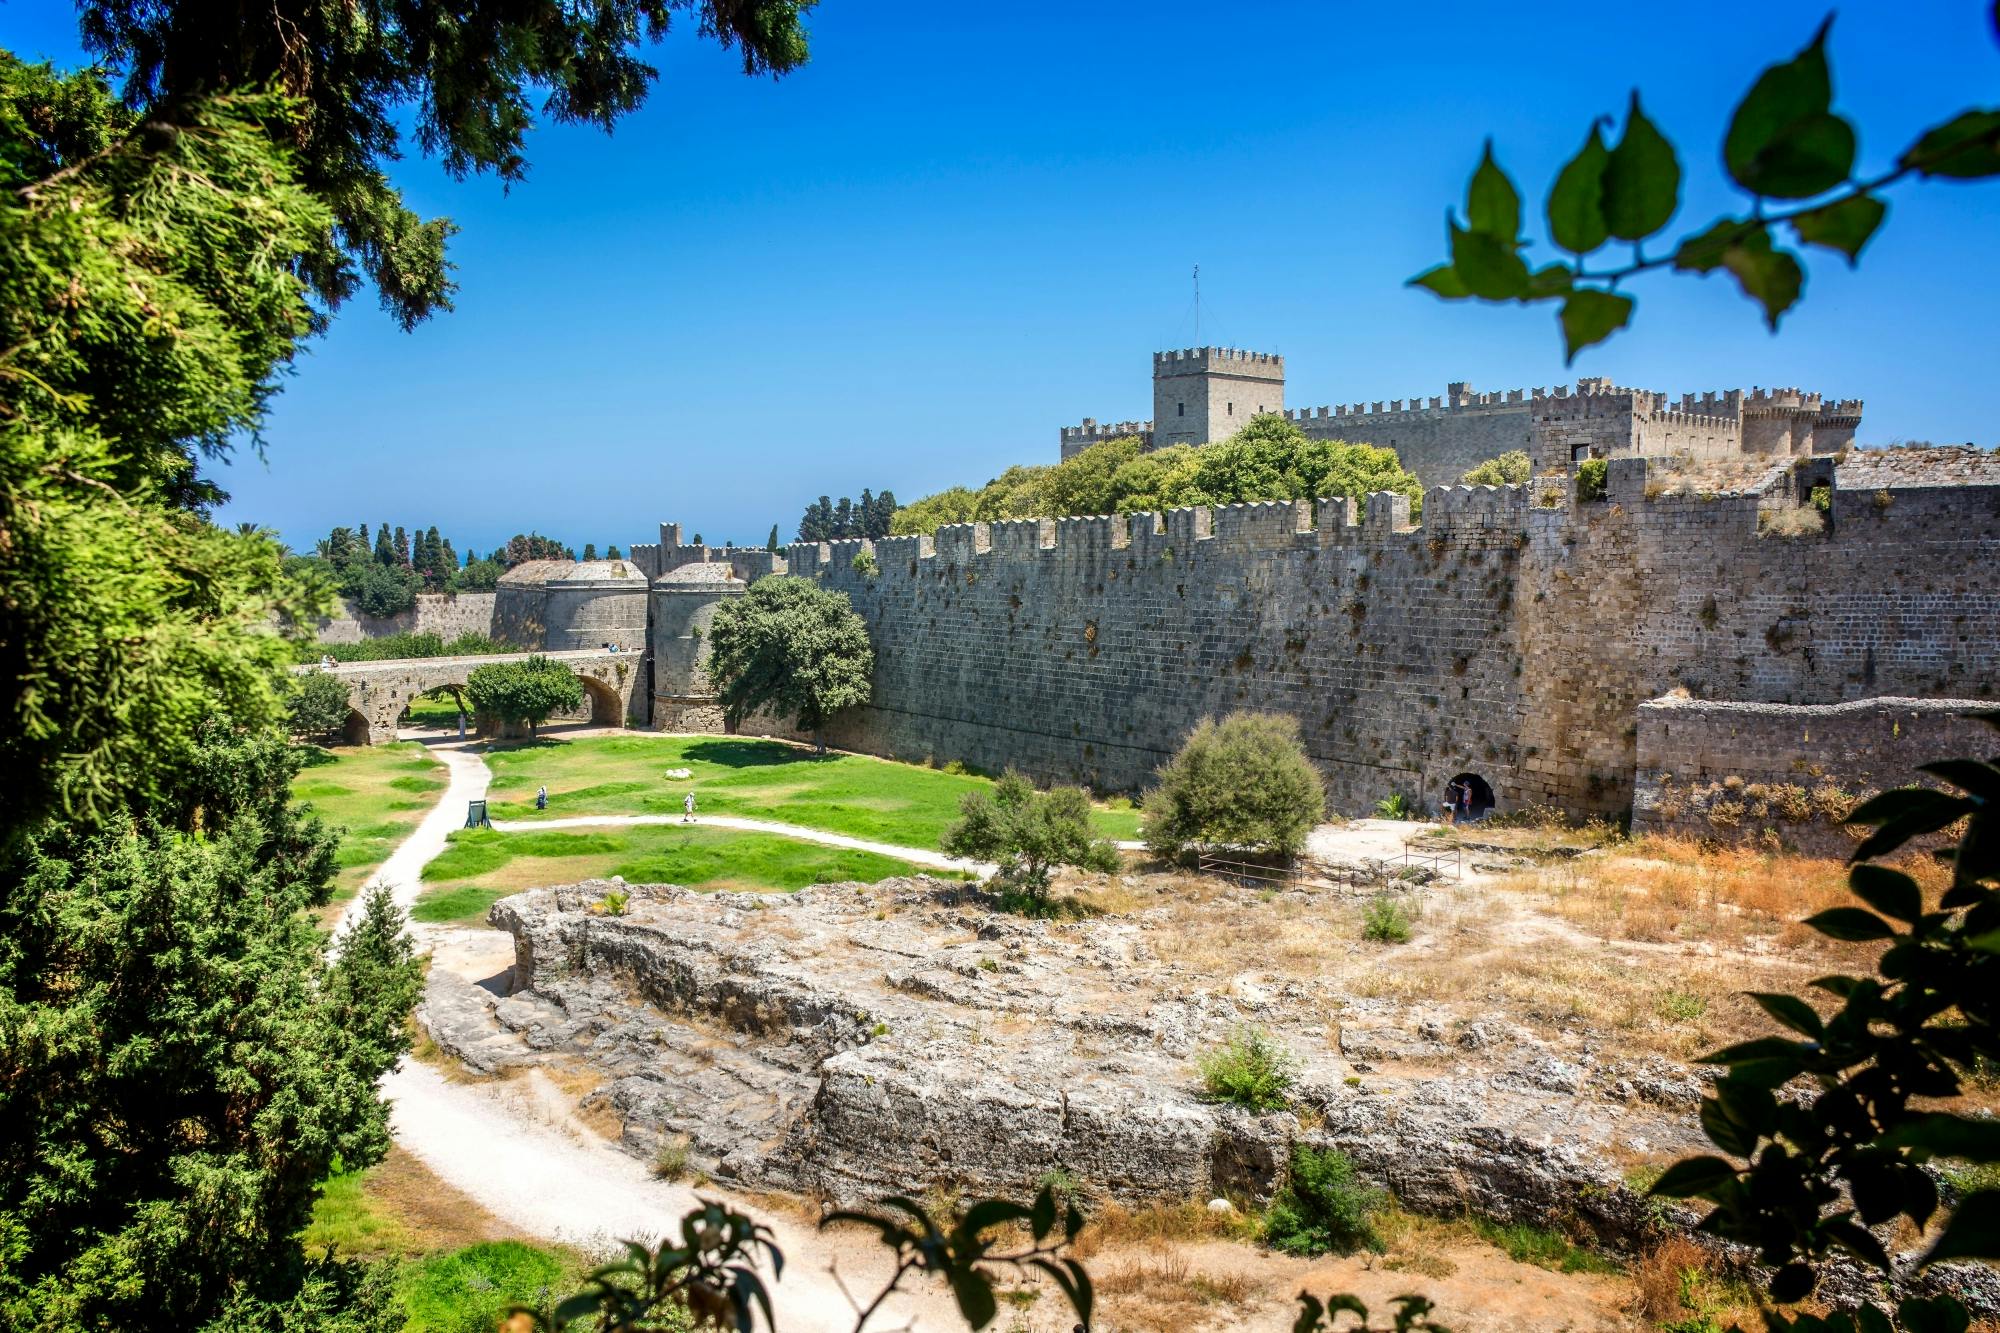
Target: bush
[
  {"x": 1590, "y": 476},
  {"x": 865, "y": 564},
  {"x": 1249, "y": 1070},
  {"x": 1324, "y": 1207},
  {"x": 471, "y": 1290},
  {"x": 379, "y": 590},
  {"x": 1243, "y": 782},
  {"x": 1028, "y": 833},
  {"x": 1393, "y": 806},
  {"x": 317, "y": 706},
  {"x": 1386, "y": 922},
  {"x": 1509, "y": 469},
  {"x": 525, "y": 691}
]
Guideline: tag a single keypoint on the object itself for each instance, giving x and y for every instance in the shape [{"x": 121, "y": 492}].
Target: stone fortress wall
[
  {"x": 1201, "y": 394},
  {"x": 1515, "y": 634},
  {"x": 447, "y": 615}
]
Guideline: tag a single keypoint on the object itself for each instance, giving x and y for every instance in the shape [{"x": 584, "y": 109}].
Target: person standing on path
[
  {"x": 541, "y": 798},
  {"x": 687, "y": 808}
]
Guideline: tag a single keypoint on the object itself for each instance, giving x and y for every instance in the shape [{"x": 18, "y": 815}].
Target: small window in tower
[
  {"x": 1180, "y": 409},
  {"x": 1231, "y": 407}
]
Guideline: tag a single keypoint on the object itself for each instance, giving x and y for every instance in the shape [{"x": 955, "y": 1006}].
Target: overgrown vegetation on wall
[{"x": 1269, "y": 459}]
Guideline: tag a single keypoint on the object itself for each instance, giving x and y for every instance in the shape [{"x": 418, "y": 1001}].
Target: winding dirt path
[
  {"x": 914, "y": 855},
  {"x": 505, "y": 1143}
]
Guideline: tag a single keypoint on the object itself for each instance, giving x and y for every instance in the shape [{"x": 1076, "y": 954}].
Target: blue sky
[{"x": 962, "y": 227}]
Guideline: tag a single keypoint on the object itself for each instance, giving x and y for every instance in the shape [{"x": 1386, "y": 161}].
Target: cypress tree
[
  {"x": 385, "y": 549},
  {"x": 772, "y": 544},
  {"x": 590, "y": 550},
  {"x": 402, "y": 547}
]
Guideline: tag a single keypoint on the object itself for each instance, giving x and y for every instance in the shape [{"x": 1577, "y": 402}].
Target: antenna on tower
[{"x": 1197, "y": 305}]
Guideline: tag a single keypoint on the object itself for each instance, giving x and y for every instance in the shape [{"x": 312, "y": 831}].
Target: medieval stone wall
[
  {"x": 447, "y": 615},
  {"x": 1728, "y": 770},
  {"x": 1502, "y": 638}
]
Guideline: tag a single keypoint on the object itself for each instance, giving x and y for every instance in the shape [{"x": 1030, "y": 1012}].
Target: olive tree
[
  {"x": 1244, "y": 782},
  {"x": 317, "y": 705},
  {"x": 1028, "y": 833}
]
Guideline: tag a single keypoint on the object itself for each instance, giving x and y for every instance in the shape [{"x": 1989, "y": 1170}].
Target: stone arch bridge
[{"x": 378, "y": 692}]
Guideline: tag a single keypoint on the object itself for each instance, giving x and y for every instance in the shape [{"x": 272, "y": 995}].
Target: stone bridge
[{"x": 378, "y": 692}]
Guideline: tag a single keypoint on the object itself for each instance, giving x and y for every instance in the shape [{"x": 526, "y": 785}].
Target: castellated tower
[
  {"x": 684, "y": 605},
  {"x": 1208, "y": 393}
]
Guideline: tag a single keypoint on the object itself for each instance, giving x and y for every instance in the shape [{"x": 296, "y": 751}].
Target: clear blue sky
[{"x": 963, "y": 226}]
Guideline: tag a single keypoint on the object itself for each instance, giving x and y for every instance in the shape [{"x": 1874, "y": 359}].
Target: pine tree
[
  {"x": 612, "y": 553},
  {"x": 843, "y": 519},
  {"x": 885, "y": 513}
]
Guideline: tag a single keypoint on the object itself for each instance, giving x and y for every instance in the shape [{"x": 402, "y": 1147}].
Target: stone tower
[
  {"x": 684, "y": 604},
  {"x": 1208, "y": 393}
]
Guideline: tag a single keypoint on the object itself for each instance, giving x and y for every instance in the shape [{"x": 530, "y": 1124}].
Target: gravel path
[
  {"x": 504, "y": 1143},
  {"x": 914, "y": 855}
]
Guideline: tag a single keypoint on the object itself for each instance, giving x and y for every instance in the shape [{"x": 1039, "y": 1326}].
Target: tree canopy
[
  {"x": 1269, "y": 459},
  {"x": 791, "y": 646},
  {"x": 1028, "y": 833},
  {"x": 1244, "y": 782},
  {"x": 525, "y": 692},
  {"x": 467, "y": 71}
]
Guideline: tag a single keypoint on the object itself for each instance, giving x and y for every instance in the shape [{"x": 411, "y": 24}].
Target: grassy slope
[
  {"x": 376, "y": 793},
  {"x": 852, "y": 794},
  {"x": 481, "y": 866}
]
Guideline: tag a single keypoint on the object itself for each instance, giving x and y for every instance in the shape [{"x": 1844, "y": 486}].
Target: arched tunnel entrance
[
  {"x": 606, "y": 708},
  {"x": 355, "y": 731},
  {"x": 1478, "y": 803}
]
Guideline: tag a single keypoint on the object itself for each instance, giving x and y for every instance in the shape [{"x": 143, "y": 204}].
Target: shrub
[
  {"x": 471, "y": 1290},
  {"x": 1324, "y": 1208},
  {"x": 525, "y": 691},
  {"x": 670, "y": 1158},
  {"x": 613, "y": 903},
  {"x": 1393, "y": 806},
  {"x": 1509, "y": 469},
  {"x": 1028, "y": 833},
  {"x": 1386, "y": 922},
  {"x": 317, "y": 705},
  {"x": 1590, "y": 477},
  {"x": 1805, "y": 521},
  {"x": 1243, "y": 782},
  {"x": 865, "y": 564},
  {"x": 1249, "y": 1070}
]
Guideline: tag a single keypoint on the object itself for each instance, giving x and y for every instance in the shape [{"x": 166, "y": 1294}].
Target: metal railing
[{"x": 1441, "y": 861}]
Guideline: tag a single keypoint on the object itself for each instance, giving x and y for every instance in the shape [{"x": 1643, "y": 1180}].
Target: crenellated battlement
[
  {"x": 1218, "y": 360},
  {"x": 1781, "y": 400},
  {"x": 1095, "y": 431}
]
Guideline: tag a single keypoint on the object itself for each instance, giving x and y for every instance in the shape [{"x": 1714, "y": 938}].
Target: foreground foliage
[
  {"x": 1028, "y": 833},
  {"x": 1786, "y": 147},
  {"x": 187, "y": 1066},
  {"x": 1269, "y": 459},
  {"x": 1243, "y": 783},
  {"x": 794, "y": 648},
  {"x": 1324, "y": 1207}
]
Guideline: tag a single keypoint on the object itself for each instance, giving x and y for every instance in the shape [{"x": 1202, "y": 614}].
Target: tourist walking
[
  {"x": 1452, "y": 792},
  {"x": 687, "y": 808},
  {"x": 541, "y": 798}
]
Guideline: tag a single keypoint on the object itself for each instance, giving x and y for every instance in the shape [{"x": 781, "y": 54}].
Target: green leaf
[
  {"x": 1590, "y": 316},
  {"x": 1769, "y": 276},
  {"x": 1966, "y": 147},
  {"x": 1693, "y": 1177},
  {"x": 1851, "y": 924},
  {"x": 1704, "y": 253},
  {"x": 1890, "y": 892},
  {"x": 1845, "y": 226},
  {"x": 1761, "y": 1048},
  {"x": 1944, "y": 1135},
  {"x": 975, "y": 1296},
  {"x": 1044, "y": 1219},
  {"x": 1790, "y": 1010},
  {"x": 1973, "y": 1231},
  {"x": 1547, "y": 281},
  {"x": 1968, "y": 775},
  {"x": 992, "y": 1212},
  {"x": 1933, "y": 1314},
  {"x": 1723, "y": 1132},
  {"x": 1576, "y": 202},
  {"x": 1490, "y": 267},
  {"x": 1492, "y": 204},
  {"x": 1642, "y": 179},
  {"x": 1783, "y": 140},
  {"x": 1793, "y": 1282},
  {"x": 1443, "y": 282}
]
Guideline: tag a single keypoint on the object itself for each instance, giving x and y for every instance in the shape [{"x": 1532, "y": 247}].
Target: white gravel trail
[
  {"x": 507, "y": 1147},
  {"x": 915, "y": 855}
]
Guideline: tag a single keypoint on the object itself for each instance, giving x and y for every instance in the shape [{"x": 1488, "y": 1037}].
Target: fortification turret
[
  {"x": 685, "y": 599},
  {"x": 1208, "y": 393}
]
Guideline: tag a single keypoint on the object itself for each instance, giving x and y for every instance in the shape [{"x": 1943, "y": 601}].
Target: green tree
[
  {"x": 791, "y": 646},
  {"x": 185, "y": 1066},
  {"x": 956, "y": 505},
  {"x": 381, "y": 590},
  {"x": 1786, "y": 147},
  {"x": 525, "y": 692},
  {"x": 1028, "y": 833},
  {"x": 1509, "y": 469},
  {"x": 465, "y": 72},
  {"x": 1244, "y": 782},
  {"x": 318, "y": 705},
  {"x": 478, "y": 576},
  {"x": 590, "y": 550},
  {"x": 771, "y": 542}
]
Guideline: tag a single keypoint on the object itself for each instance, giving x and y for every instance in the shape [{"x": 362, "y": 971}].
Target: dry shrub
[
  {"x": 1660, "y": 1275},
  {"x": 1162, "y": 1292}
]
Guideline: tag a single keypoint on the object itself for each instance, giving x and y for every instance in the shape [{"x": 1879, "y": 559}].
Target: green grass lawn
[
  {"x": 377, "y": 793},
  {"x": 480, "y": 866},
  {"x": 425, "y": 711},
  {"x": 857, "y": 795}
]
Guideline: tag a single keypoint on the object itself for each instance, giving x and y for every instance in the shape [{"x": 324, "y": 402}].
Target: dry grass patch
[
  {"x": 1157, "y": 1225},
  {"x": 1162, "y": 1291}
]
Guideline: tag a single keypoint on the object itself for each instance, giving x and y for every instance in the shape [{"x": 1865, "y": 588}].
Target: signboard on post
[{"x": 475, "y": 814}]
